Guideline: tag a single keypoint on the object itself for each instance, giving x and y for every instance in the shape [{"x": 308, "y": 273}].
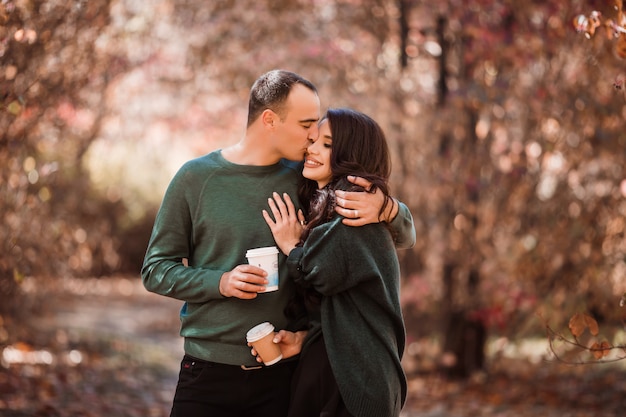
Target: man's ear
[{"x": 269, "y": 118}]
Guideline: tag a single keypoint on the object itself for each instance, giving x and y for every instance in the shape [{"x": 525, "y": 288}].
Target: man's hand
[
  {"x": 361, "y": 208},
  {"x": 245, "y": 282}
]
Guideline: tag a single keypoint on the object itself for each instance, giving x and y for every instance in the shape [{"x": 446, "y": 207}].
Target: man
[{"x": 211, "y": 215}]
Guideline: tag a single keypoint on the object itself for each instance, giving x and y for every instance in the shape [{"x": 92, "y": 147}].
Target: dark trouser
[
  {"x": 314, "y": 391},
  {"x": 207, "y": 389}
]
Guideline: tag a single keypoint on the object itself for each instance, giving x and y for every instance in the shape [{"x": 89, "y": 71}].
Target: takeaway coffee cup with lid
[
  {"x": 261, "y": 338},
  {"x": 267, "y": 259}
]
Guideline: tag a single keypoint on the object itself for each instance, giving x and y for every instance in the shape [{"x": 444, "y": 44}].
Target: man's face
[{"x": 293, "y": 134}]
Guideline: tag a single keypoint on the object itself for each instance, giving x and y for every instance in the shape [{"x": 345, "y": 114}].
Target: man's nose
[{"x": 313, "y": 132}]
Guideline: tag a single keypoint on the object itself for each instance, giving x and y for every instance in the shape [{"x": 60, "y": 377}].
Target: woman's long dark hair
[{"x": 359, "y": 148}]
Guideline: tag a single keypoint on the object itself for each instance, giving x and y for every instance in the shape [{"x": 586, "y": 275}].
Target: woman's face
[{"x": 317, "y": 157}]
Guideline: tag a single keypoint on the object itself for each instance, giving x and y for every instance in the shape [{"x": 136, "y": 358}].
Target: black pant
[
  {"x": 207, "y": 389},
  {"x": 314, "y": 389}
]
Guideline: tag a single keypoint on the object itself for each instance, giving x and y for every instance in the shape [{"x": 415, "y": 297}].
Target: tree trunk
[{"x": 465, "y": 336}]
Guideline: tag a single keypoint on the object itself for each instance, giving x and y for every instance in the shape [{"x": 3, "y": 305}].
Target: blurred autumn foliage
[
  {"x": 507, "y": 128},
  {"x": 52, "y": 82},
  {"x": 614, "y": 28}
]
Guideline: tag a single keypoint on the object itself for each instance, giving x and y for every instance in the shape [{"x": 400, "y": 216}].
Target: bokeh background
[{"x": 506, "y": 121}]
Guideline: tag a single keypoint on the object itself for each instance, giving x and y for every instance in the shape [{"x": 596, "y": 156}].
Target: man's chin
[{"x": 294, "y": 158}]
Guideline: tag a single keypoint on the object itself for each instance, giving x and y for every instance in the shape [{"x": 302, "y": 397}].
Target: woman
[{"x": 350, "y": 360}]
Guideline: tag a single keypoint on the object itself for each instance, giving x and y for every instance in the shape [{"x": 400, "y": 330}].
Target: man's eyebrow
[{"x": 309, "y": 120}]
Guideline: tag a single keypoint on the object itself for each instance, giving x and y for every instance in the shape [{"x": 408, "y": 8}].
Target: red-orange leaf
[
  {"x": 592, "y": 324},
  {"x": 600, "y": 350},
  {"x": 580, "y": 321},
  {"x": 577, "y": 324}
]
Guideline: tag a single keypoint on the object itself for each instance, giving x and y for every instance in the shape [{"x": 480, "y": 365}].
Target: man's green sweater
[
  {"x": 357, "y": 272},
  {"x": 211, "y": 215}
]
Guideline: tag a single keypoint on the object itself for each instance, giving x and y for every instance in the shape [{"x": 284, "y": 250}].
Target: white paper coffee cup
[
  {"x": 267, "y": 259},
  {"x": 261, "y": 338}
]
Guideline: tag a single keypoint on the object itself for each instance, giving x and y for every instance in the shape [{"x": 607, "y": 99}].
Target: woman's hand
[
  {"x": 290, "y": 343},
  {"x": 287, "y": 225}
]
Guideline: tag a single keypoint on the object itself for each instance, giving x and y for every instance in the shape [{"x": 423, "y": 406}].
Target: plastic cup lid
[
  {"x": 259, "y": 331},
  {"x": 269, "y": 250}
]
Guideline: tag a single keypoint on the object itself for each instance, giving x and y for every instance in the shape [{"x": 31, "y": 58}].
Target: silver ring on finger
[{"x": 356, "y": 214}]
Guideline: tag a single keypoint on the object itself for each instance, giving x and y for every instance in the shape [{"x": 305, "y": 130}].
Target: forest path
[{"x": 107, "y": 347}]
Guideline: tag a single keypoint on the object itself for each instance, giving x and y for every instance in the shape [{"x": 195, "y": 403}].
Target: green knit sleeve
[
  {"x": 336, "y": 257},
  {"x": 163, "y": 271},
  {"x": 404, "y": 229},
  {"x": 293, "y": 262}
]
